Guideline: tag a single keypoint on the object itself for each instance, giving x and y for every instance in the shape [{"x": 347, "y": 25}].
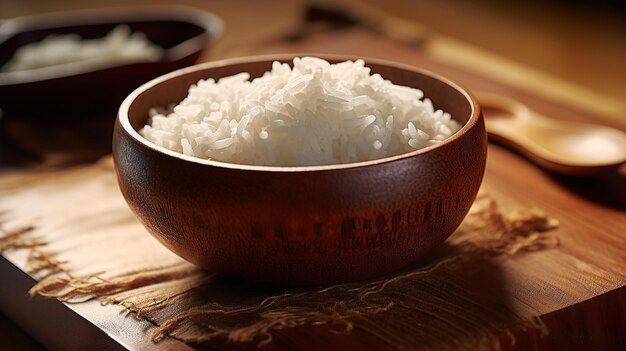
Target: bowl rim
[
  {"x": 212, "y": 24},
  {"x": 124, "y": 122}
]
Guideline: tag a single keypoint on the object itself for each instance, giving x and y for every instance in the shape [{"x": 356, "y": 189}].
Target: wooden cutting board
[{"x": 578, "y": 289}]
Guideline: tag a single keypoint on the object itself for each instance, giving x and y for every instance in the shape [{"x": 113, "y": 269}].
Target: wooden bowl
[
  {"x": 84, "y": 90},
  {"x": 300, "y": 225}
]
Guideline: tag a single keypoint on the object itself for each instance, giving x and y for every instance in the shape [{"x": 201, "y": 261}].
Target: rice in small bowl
[
  {"x": 294, "y": 222},
  {"x": 315, "y": 113}
]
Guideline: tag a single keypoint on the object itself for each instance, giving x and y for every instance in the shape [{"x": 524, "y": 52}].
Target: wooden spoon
[{"x": 560, "y": 146}]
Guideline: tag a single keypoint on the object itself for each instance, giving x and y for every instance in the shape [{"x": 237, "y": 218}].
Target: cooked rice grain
[
  {"x": 315, "y": 113},
  {"x": 119, "y": 45}
]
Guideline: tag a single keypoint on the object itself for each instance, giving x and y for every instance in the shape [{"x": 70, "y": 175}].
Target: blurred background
[
  {"x": 573, "y": 52},
  {"x": 569, "y": 52},
  {"x": 581, "y": 41}
]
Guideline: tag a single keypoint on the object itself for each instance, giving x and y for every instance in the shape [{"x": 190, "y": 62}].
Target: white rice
[
  {"x": 119, "y": 45},
  {"x": 315, "y": 113}
]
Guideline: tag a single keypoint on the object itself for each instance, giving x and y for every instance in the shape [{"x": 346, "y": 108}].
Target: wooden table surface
[{"x": 591, "y": 210}]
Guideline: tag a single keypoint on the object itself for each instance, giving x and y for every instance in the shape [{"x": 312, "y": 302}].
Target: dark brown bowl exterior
[
  {"x": 79, "y": 92},
  {"x": 300, "y": 225}
]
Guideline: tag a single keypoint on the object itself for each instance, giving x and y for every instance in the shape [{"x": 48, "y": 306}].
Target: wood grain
[
  {"x": 458, "y": 295},
  {"x": 582, "y": 295},
  {"x": 591, "y": 211},
  {"x": 301, "y": 225}
]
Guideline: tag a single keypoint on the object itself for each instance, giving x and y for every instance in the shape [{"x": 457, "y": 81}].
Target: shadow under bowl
[
  {"x": 84, "y": 90},
  {"x": 300, "y": 225}
]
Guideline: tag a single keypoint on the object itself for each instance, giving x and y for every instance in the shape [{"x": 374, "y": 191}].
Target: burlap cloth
[{"x": 85, "y": 243}]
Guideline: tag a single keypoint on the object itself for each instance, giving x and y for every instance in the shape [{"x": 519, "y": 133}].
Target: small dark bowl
[
  {"x": 300, "y": 225},
  {"x": 80, "y": 91}
]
